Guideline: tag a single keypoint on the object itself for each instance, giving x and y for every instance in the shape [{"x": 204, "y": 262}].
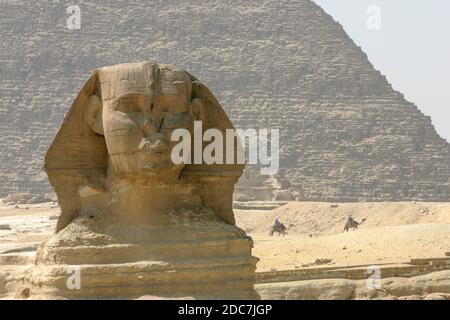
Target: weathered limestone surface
[
  {"x": 432, "y": 286},
  {"x": 346, "y": 134},
  {"x": 424, "y": 278},
  {"x": 133, "y": 222}
]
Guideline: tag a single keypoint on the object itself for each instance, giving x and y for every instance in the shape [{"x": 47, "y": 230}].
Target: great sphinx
[{"x": 132, "y": 221}]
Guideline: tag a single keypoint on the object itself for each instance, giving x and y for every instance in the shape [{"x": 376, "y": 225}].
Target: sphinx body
[{"x": 132, "y": 222}]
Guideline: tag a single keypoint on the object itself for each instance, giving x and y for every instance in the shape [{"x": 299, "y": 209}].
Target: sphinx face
[{"x": 138, "y": 123}]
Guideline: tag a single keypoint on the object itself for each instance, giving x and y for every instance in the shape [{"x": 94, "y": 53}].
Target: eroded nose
[
  {"x": 160, "y": 146},
  {"x": 149, "y": 127}
]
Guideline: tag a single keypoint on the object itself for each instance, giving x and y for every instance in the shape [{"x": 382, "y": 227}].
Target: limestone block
[{"x": 324, "y": 289}]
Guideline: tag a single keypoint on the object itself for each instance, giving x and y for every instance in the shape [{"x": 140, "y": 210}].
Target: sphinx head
[
  {"x": 120, "y": 127},
  {"x": 136, "y": 109}
]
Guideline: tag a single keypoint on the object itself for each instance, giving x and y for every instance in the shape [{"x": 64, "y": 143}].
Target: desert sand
[{"x": 393, "y": 233}]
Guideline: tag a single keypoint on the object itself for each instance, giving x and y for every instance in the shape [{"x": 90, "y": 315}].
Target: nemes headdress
[{"x": 78, "y": 155}]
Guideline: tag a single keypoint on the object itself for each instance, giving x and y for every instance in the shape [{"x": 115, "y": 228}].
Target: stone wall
[{"x": 346, "y": 135}]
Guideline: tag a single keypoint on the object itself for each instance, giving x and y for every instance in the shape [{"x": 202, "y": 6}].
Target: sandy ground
[
  {"x": 28, "y": 227},
  {"x": 393, "y": 232}
]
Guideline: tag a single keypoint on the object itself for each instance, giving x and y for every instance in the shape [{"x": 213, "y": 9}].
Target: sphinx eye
[
  {"x": 128, "y": 108},
  {"x": 127, "y": 105},
  {"x": 134, "y": 104}
]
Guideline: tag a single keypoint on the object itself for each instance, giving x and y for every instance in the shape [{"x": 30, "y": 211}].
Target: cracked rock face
[{"x": 132, "y": 222}]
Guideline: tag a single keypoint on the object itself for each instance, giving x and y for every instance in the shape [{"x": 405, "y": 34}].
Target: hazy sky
[{"x": 412, "y": 48}]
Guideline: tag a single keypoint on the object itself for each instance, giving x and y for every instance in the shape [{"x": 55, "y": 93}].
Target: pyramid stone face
[{"x": 345, "y": 134}]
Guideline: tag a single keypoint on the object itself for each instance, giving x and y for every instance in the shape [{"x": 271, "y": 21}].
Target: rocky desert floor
[{"x": 392, "y": 235}]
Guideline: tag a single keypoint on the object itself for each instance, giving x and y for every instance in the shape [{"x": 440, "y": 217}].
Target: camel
[
  {"x": 352, "y": 224},
  {"x": 280, "y": 228}
]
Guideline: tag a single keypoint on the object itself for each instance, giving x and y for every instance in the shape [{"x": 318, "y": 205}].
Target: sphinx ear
[{"x": 94, "y": 114}]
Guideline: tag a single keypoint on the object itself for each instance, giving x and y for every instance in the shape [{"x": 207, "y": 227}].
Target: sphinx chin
[{"x": 163, "y": 170}]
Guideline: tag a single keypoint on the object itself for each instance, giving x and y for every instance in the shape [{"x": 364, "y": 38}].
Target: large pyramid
[{"x": 345, "y": 133}]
